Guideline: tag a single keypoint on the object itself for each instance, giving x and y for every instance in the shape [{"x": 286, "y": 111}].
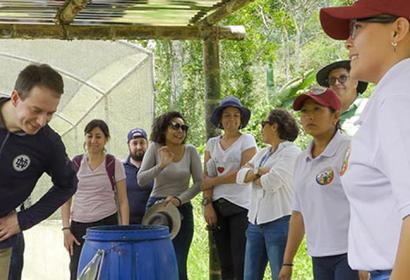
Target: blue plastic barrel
[{"x": 133, "y": 252}]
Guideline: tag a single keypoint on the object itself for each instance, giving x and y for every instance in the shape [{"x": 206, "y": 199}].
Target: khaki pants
[{"x": 5, "y": 256}]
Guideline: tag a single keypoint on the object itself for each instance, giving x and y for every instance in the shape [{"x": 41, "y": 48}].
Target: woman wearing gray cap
[
  {"x": 226, "y": 203},
  {"x": 377, "y": 34}
]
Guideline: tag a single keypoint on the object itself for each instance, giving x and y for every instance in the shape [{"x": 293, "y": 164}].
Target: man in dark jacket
[
  {"x": 137, "y": 196},
  {"x": 28, "y": 148}
]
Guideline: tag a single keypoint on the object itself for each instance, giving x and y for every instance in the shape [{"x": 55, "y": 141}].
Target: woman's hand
[
  {"x": 262, "y": 171},
  {"x": 165, "y": 156},
  {"x": 173, "y": 199},
  {"x": 285, "y": 273},
  {"x": 69, "y": 241},
  {"x": 210, "y": 215},
  {"x": 207, "y": 183}
]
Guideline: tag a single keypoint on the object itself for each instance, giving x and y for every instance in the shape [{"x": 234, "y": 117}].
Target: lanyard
[{"x": 266, "y": 157}]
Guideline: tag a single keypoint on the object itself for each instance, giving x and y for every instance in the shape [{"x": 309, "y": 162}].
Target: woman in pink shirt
[{"x": 99, "y": 198}]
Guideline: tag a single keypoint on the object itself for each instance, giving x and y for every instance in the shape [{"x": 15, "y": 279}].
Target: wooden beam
[
  {"x": 69, "y": 11},
  {"x": 221, "y": 12},
  {"x": 129, "y": 32}
]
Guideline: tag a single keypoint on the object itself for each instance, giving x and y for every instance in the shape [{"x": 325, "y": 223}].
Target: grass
[{"x": 198, "y": 256}]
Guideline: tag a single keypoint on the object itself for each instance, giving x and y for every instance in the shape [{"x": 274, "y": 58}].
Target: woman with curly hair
[
  {"x": 170, "y": 163},
  {"x": 271, "y": 173}
]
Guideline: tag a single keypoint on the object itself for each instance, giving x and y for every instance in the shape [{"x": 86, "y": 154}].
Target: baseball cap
[
  {"x": 136, "y": 133},
  {"x": 323, "y": 96},
  {"x": 336, "y": 20}
]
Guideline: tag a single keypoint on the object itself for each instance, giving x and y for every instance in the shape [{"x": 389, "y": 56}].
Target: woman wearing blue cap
[
  {"x": 377, "y": 34},
  {"x": 320, "y": 206},
  {"x": 225, "y": 202}
]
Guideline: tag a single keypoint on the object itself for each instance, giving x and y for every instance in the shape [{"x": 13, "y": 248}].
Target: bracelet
[
  {"x": 65, "y": 228},
  {"x": 287, "y": 264},
  {"x": 179, "y": 200}
]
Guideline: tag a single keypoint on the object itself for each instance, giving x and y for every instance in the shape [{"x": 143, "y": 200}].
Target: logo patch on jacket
[
  {"x": 325, "y": 177},
  {"x": 21, "y": 163}
]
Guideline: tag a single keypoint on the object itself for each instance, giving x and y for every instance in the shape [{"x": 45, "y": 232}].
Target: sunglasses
[
  {"x": 177, "y": 126},
  {"x": 384, "y": 19},
  {"x": 342, "y": 79}
]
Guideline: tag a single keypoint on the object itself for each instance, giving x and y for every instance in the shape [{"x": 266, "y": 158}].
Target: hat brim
[
  {"x": 170, "y": 211},
  {"x": 300, "y": 100},
  {"x": 335, "y": 21},
  {"x": 323, "y": 74},
  {"x": 216, "y": 115}
]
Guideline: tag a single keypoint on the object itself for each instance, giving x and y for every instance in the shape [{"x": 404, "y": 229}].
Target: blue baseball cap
[{"x": 137, "y": 133}]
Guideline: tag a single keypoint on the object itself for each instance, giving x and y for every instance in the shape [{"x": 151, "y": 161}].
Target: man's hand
[{"x": 9, "y": 226}]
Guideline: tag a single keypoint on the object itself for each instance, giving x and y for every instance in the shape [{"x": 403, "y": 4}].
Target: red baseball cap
[
  {"x": 336, "y": 20},
  {"x": 323, "y": 96}
]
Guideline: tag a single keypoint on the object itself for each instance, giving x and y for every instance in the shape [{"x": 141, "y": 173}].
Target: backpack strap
[
  {"x": 77, "y": 162},
  {"x": 110, "y": 167}
]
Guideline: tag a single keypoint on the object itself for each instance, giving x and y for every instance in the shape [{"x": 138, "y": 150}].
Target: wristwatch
[{"x": 206, "y": 201}]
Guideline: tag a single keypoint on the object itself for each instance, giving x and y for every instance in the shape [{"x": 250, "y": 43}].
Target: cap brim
[
  {"x": 323, "y": 74},
  {"x": 300, "y": 100},
  {"x": 335, "y": 21},
  {"x": 170, "y": 210}
]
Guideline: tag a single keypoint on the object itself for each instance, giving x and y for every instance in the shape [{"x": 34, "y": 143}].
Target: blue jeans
[
  {"x": 380, "y": 274},
  {"x": 17, "y": 258},
  {"x": 333, "y": 268},
  {"x": 263, "y": 242},
  {"x": 182, "y": 242}
]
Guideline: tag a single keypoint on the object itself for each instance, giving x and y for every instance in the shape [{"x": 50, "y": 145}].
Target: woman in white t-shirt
[
  {"x": 226, "y": 203},
  {"x": 94, "y": 203},
  {"x": 377, "y": 35},
  {"x": 320, "y": 206}
]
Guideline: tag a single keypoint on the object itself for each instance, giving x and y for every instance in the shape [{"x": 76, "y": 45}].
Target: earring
[{"x": 394, "y": 45}]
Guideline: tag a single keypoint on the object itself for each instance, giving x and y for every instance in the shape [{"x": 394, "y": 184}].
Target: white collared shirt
[
  {"x": 320, "y": 198},
  {"x": 376, "y": 180},
  {"x": 273, "y": 199}
]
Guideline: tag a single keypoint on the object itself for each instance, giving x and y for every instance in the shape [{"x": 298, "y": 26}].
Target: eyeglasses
[
  {"x": 342, "y": 79},
  {"x": 354, "y": 26},
  {"x": 177, "y": 126}
]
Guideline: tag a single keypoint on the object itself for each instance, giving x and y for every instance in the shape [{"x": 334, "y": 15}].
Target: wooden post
[{"x": 212, "y": 96}]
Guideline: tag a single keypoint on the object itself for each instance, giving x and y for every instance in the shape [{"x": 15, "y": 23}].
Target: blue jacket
[
  {"x": 137, "y": 196},
  {"x": 23, "y": 159}
]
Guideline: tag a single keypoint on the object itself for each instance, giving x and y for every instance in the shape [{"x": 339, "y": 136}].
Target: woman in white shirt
[
  {"x": 377, "y": 35},
  {"x": 95, "y": 200},
  {"x": 320, "y": 206},
  {"x": 271, "y": 173},
  {"x": 226, "y": 203}
]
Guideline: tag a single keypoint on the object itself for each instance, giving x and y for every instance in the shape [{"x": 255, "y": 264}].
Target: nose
[
  {"x": 349, "y": 43},
  {"x": 42, "y": 120}
]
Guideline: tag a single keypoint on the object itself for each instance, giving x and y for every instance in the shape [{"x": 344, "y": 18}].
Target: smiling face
[
  {"x": 231, "y": 119},
  {"x": 176, "y": 132},
  {"x": 370, "y": 50},
  {"x": 346, "y": 91},
  {"x": 95, "y": 141},
  {"x": 36, "y": 110},
  {"x": 316, "y": 119}
]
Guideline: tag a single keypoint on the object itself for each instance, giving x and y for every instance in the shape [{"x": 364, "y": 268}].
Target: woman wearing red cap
[
  {"x": 376, "y": 182},
  {"x": 320, "y": 206}
]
